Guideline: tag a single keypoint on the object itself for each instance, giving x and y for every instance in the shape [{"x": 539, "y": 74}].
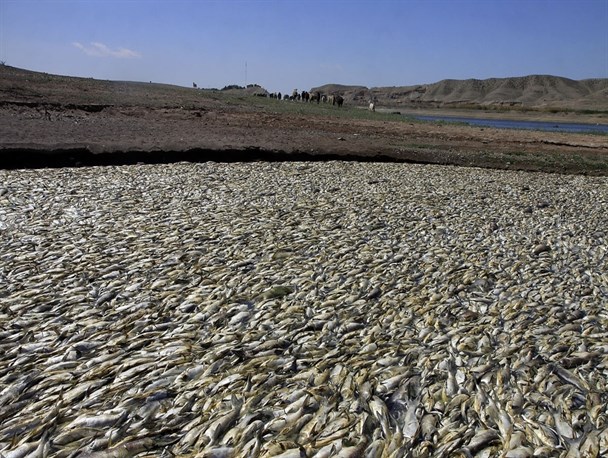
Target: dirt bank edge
[
  {"x": 82, "y": 156},
  {"x": 15, "y": 158}
]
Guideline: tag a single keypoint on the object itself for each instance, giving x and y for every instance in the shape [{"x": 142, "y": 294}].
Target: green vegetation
[
  {"x": 232, "y": 86},
  {"x": 569, "y": 110},
  {"x": 551, "y": 162},
  {"x": 593, "y": 164},
  {"x": 444, "y": 122},
  {"x": 302, "y": 108}
]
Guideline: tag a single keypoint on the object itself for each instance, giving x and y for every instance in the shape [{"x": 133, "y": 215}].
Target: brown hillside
[
  {"x": 534, "y": 91},
  {"x": 52, "y": 120},
  {"x": 20, "y": 85}
]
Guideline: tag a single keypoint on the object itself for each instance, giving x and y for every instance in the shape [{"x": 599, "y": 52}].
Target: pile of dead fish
[{"x": 302, "y": 310}]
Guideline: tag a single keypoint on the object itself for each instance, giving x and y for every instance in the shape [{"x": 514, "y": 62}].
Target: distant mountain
[{"x": 534, "y": 91}]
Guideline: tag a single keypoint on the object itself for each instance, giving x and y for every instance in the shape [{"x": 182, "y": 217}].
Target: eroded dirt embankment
[
  {"x": 82, "y": 157},
  {"x": 50, "y": 135}
]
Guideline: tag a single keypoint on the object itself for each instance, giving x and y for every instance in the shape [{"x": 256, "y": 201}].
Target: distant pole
[{"x": 245, "y": 73}]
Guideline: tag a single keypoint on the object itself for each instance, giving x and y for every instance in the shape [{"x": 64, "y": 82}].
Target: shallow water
[{"x": 527, "y": 125}]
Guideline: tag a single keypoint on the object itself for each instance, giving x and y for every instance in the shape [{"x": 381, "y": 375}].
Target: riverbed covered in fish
[{"x": 302, "y": 309}]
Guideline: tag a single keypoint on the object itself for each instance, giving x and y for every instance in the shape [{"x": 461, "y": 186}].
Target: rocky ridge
[{"x": 534, "y": 91}]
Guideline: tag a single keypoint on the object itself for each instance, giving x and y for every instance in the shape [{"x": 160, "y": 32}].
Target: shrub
[{"x": 232, "y": 86}]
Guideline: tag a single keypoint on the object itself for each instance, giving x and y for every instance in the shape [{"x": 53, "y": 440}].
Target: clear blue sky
[{"x": 289, "y": 44}]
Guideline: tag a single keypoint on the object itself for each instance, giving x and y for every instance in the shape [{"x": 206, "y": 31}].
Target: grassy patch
[
  {"x": 598, "y": 133},
  {"x": 571, "y": 163},
  {"x": 445, "y": 122},
  {"x": 554, "y": 162},
  {"x": 302, "y": 108}
]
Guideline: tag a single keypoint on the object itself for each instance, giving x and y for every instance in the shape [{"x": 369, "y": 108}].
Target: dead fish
[
  {"x": 99, "y": 421},
  {"x": 217, "y": 452},
  {"x": 20, "y": 451},
  {"x": 482, "y": 439},
  {"x": 219, "y": 426},
  {"x": 125, "y": 450}
]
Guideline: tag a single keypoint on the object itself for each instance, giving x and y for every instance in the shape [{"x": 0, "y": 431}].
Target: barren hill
[{"x": 534, "y": 91}]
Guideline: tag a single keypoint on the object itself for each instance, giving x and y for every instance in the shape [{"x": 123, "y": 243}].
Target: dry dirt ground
[{"x": 49, "y": 120}]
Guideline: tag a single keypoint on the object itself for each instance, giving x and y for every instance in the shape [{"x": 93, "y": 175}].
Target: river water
[{"x": 552, "y": 126}]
